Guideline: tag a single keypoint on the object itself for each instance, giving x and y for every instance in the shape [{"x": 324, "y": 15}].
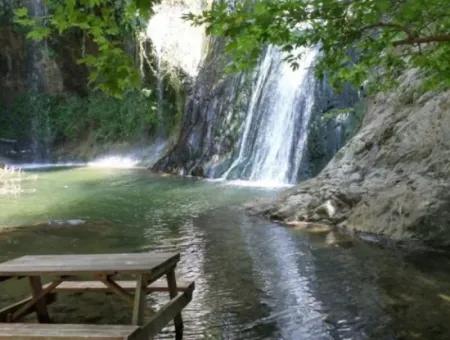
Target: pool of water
[{"x": 254, "y": 279}]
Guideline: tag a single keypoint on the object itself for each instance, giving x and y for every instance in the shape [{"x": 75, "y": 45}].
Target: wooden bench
[
  {"x": 27, "y": 331},
  {"x": 98, "y": 286},
  {"x": 103, "y": 271}
]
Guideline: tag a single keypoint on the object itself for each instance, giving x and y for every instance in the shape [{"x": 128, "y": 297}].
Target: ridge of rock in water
[{"x": 391, "y": 179}]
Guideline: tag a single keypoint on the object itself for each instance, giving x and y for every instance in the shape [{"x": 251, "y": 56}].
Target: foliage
[
  {"x": 67, "y": 118},
  {"x": 359, "y": 40},
  {"x": 106, "y": 24}
]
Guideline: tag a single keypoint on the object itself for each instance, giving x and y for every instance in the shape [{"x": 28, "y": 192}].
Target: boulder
[{"x": 392, "y": 179}]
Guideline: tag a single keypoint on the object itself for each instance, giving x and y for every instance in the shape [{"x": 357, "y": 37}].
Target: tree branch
[
  {"x": 423, "y": 40},
  {"x": 389, "y": 25}
]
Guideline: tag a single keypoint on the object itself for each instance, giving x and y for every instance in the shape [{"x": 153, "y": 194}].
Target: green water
[{"x": 254, "y": 279}]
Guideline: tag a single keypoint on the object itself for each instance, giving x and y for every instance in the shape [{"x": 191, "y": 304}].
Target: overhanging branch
[{"x": 423, "y": 40}]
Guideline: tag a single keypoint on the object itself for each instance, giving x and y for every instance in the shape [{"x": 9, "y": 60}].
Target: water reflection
[
  {"x": 254, "y": 279},
  {"x": 284, "y": 272}
]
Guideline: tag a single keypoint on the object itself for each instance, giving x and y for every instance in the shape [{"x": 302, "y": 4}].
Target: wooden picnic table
[{"x": 103, "y": 271}]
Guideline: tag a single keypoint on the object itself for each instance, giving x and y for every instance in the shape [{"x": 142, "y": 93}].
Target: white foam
[
  {"x": 114, "y": 162},
  {"x": 35, "y": 166},
  {"x": 259, "y": 184}
]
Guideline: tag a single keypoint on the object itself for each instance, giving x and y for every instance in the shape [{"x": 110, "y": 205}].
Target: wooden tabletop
[{"x": 134, "y": 263}]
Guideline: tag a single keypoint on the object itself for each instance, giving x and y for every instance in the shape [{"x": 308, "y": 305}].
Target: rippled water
[{"x": 254, "y": 279}]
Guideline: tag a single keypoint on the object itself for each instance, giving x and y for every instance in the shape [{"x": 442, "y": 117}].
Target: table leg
[
  {"x": 173, "y": 291},
  {"x": 139, "y": 300},
  {"x": 41, "y": 304}
]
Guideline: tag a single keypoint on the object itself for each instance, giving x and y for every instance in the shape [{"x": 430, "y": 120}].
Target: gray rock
[{"x": 391, "y": 179}]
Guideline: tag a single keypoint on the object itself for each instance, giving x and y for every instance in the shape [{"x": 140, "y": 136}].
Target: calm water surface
[{"x": 254, "y": 279}]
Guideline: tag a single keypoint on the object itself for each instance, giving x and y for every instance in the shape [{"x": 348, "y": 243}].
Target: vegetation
[
  {"x": 360, "y": 40},
  {"x": 105, "y": 26},
  {"x": 120, "y": 105},
  {"x": 57, "y": 119}
]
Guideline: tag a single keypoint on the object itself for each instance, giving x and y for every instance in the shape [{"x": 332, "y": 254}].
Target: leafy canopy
[
  {"x": 105, "y": 23},
  {"x": 359, "y": 39}
]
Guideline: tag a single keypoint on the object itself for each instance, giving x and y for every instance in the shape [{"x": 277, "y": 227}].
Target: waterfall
[
  {"x": 39, "y": 52},
  {"x": 276, "y": 126},
  {"x": 251, "y": 126}
]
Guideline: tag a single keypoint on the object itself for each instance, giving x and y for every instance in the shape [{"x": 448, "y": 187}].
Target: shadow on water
[{"x": 254, "y": 279}]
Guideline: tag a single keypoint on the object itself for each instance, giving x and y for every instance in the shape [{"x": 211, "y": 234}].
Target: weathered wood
[
  {"x": 115, "y": 288},
  {"x": 173, "y": 291},
  {"x": 168, "y": 312},
  {"x": 129, "y": 286},
  {"x": 37, "y": 301},
  {"x": 108, "y": 264},
  {"x": 139, "y": 300},
  {"x": 7, "y": 312},
  {"x": 147, "y": 267},
  {"x": 22, "y": 331}
]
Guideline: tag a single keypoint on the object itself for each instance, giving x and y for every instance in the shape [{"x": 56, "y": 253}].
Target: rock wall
[
  {"x": 327, "y": 135},
  {"x": 212, "y": 119},
  {"x": 392, "y": 179}
]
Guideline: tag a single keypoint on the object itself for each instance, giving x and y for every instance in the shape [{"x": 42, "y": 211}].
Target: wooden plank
[
  {"x": 108, "y": 264},
  {"x": 37, "y": 301},
  {"x": 118, "y": 290},
  {"x": 173, "y": 291},
  {"x": 157, "y": 322},
  {"x": 130, "y": 286},
  {"x": 6, "y": 312},
  {"x": 22, "y": 331},
  {"x": 139, "y": 301}
]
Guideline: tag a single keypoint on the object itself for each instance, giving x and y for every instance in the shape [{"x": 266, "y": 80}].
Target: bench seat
[
  {"x": 31, "y": 331},
  {"x": 98, "y": 286}
]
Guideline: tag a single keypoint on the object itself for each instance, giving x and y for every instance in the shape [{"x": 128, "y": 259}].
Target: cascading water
[
  {"x": 252, "y": 127},
  {"x": 39, "y": 126},
  {"x": 43, "y": 76},
  {"x": 276, "y": 126}
]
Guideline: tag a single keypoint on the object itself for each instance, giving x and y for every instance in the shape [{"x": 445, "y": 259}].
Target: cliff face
[
  {"x": 213, "y": 116},
  {"x": 391, "y": 179}
]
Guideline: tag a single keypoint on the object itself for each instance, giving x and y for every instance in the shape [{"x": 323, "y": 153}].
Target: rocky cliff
[
  {"x": 392, "y": 179},
  {"x": 212, "y": 119}
]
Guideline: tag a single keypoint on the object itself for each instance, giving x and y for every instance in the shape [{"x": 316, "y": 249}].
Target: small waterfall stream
[
  {"x": 276, "y": 125},
  {"x": 40, "y": 127}
]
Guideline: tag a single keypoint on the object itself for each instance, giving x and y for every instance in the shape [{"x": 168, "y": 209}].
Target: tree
[
  {"x": 106, "y": 24},
  {"x": 359, "y": 40}
]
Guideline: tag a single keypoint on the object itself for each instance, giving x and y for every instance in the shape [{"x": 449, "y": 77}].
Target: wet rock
[
  {"x": 316, "y": 228},
  {"x": 198, "y": 171},
  {"x": 338, "y": 240},
  {"x": 328, "y": 209},
  {"x": 72, "y": 222}
]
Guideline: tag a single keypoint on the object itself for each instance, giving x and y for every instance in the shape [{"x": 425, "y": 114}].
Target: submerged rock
[
  {"x": 72, "y": 222},
  {"x": 392, "y": 178}
]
